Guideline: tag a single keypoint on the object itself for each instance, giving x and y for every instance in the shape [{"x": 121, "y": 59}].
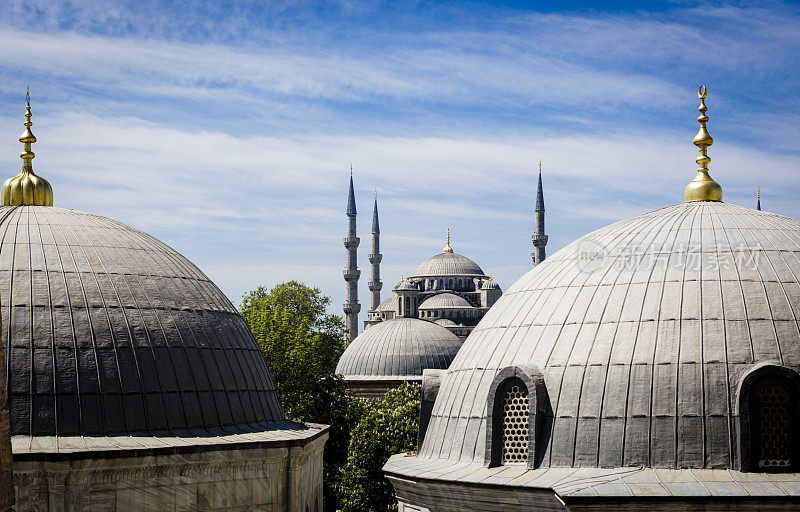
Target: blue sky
[{"x": 225, "y": 129}]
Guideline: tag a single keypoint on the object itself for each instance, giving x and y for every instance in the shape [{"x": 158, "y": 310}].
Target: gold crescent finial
[
  {"x": 703, "y": 187},
  {"x": 351, "y": 168},
  {"x": 447, "y": 249},
  {"x": 26, "y": 188},
  {"x": 540, "y": 166}
]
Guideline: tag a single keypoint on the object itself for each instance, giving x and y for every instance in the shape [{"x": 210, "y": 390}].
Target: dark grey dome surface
[
  {"x": 643, "y": 331},
  {"x": 398, "y": 348},
  {"x": 108, "y": 331},
  {"x": 448, "y": 264}
]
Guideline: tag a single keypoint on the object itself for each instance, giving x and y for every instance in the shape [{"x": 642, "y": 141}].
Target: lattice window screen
[
  {"x": 516, "y": 411},
  {"x": 773, "y": 428}
]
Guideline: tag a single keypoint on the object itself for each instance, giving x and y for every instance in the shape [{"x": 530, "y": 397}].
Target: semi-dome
[
  {"x": 445, "y": 322},
  {"x": 448, "y": 264},
  {"x": 109, "y": 331},
  {"x": 642, "y": 334},
  {"x": 445, "y": 301},
  {"x": 398, "y": 349},
  {"x": 386, "y": 306}
]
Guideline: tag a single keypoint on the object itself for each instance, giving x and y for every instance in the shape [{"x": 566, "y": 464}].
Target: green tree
[
  {"x": 301, "y": 343},
  {"x": 387, "y": 427}
]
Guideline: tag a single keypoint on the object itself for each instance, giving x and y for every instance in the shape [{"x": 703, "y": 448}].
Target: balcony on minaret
[
  {"x": 351, "y": 242},
  {"x": 539, "y": 240},
  {"x": 349, "y": 308},
  {"x": 375, "y": 258},
  {"x": 351, "y": 274},
  {"x": 375, "y": 285}
]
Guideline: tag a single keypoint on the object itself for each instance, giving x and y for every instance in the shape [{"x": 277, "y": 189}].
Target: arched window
[
  {"x": 769, "y": 419},
  {"x": 519, "y": 417},
  {"x": 449, "y": 284},
  {"x": 516, "y": 416},
  {"x": 400, "y": 306},
  {"x": 408, "y": 306}
]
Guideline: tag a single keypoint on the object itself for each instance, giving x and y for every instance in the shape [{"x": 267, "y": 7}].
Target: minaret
[
  {"x": 375, "y": 258},
  {"x": 351, "y": 306},
  {"x": 758, "y": 199},
  {"x": 26, "y": 188},
  {"x": 539, "y": 239}
]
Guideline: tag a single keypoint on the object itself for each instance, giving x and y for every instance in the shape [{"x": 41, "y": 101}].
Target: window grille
[
  {"x": 774, "y": 427},
  {"x": 516, "y": 412}
]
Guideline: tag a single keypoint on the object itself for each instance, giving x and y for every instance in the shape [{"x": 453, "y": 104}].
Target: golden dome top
[
  {"x": 447, "y": 249},
  {"x": 26, "y": 188},
  {"x": 703, "y": 187}
]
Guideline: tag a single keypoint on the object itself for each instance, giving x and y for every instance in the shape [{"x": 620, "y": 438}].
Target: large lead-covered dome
[
  {"x": 643, "y": 332},
  {"x": 398, "y": 349},
  {"x": 108, "y": 331},
  {"x": 448, "y": 264}
]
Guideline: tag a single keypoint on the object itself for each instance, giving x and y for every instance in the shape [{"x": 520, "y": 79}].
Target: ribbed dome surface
[
  {"x": 401, "y": 347},
  {"x": 448, "y": 264},
  {"x": 643, "y": 331},
  {"x": 445, "y": 301},
  {"x": 445, "y": 322},
  {"x": 108, "y": 331}
]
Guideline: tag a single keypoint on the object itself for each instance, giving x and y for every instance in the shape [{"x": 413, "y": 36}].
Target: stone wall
[{"x": 260, "y": 478}]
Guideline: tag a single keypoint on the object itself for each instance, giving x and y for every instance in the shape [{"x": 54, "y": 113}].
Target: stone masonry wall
[{"x": 245, "y": 479}]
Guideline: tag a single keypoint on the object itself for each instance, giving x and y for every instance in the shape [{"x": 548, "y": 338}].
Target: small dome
[
  {"x": 490, "y": 284},
  {"x": 445, "y": 301},
  {"x": 112, "y": 332},
  {"x": 448, "y": 264},
  {"x": 642, "y": 331},
  {"x": 386, "y": 306},
  {"x": 445, "y": 322},
  {"x": 399, "y": 348},
  {"x": 405, "y": 284}
]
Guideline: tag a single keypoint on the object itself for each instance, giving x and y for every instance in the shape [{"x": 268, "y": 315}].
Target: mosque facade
[
  {"x": 130, "y": 381},
  {"x": 429, "y": 314},
  {"x": 649, "y": 365}
]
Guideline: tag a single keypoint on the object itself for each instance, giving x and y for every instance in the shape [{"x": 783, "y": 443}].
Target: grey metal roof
[
  {"x": 539, "y": 195},
  {"x": 445, "y": 322},
  {"x": 445, "y": 301},
  {"x": 108, "y": 331},
  {"x": 643, "y": 331},
  {"x": 603, "y": 482},
  {"x": 398, "y": 347},
  {"x": 351, "y": 199},
  {"x": 448, "y": 264},
  {"x": 376, "y": 228},
  {"x": 405, "y": 284}
]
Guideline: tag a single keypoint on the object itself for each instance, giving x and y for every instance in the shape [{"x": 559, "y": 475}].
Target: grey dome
[
  {"x": 448, "y": 264},
  {"x": 405, "y": 284},
  {"x": 643, "y": 331},
  {"x": 398, "y": 348},
  {"x": 108, "y": 331},
  {"x": 386, "y": 306},
  {"x": 445, "y": 301},
  {"x": 445, "y": 322},
  {"x": 490, "y": 284}
]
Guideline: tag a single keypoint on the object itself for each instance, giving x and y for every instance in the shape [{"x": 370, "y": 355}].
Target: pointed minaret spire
[
  {"x": 351, "y": 306},
  {"x": 26, "y": 188},
  {"x": 539, "y": 239},
  {"x": 758, "y": 199},
  {"x": 375, "y": 258}
]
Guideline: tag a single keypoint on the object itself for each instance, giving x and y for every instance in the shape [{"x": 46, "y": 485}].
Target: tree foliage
[
  {"x": 387, "y": 427},
  {"x": 301, "y": 343}
]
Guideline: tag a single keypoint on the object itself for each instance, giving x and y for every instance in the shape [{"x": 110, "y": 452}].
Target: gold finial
[
  {"x": 703, "y": 187},
  {"x": 26, "y": 188},
  {"x": 351, "y": 169},
  {"x": 540, "y": 166},
  {"x": 447, "y": 249}
]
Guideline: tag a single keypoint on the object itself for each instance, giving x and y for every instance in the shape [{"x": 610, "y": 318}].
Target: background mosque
[
  {"x": 429, "y": 314},
  {"x": 661, "y": 371},
  {"x": 131, "y": 380}
]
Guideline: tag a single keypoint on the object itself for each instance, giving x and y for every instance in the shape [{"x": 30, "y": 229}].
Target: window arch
[
  {"x": 519, "y": 417},
  {"x": 769, "y": 419}
]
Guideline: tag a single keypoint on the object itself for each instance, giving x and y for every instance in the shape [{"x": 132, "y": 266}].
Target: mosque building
[
  {"x": 649, "y": 365},
  {"x": 132, "y": 382},
  {"x": 426, "y": 319}
]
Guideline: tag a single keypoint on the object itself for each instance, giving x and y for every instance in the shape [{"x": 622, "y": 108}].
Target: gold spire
[
  {"x": 351, "y": 169},
  {"x": 447, "y": 249},
  {"x": 27, "y": 188},
  {"x": 703, "y": 187}
]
